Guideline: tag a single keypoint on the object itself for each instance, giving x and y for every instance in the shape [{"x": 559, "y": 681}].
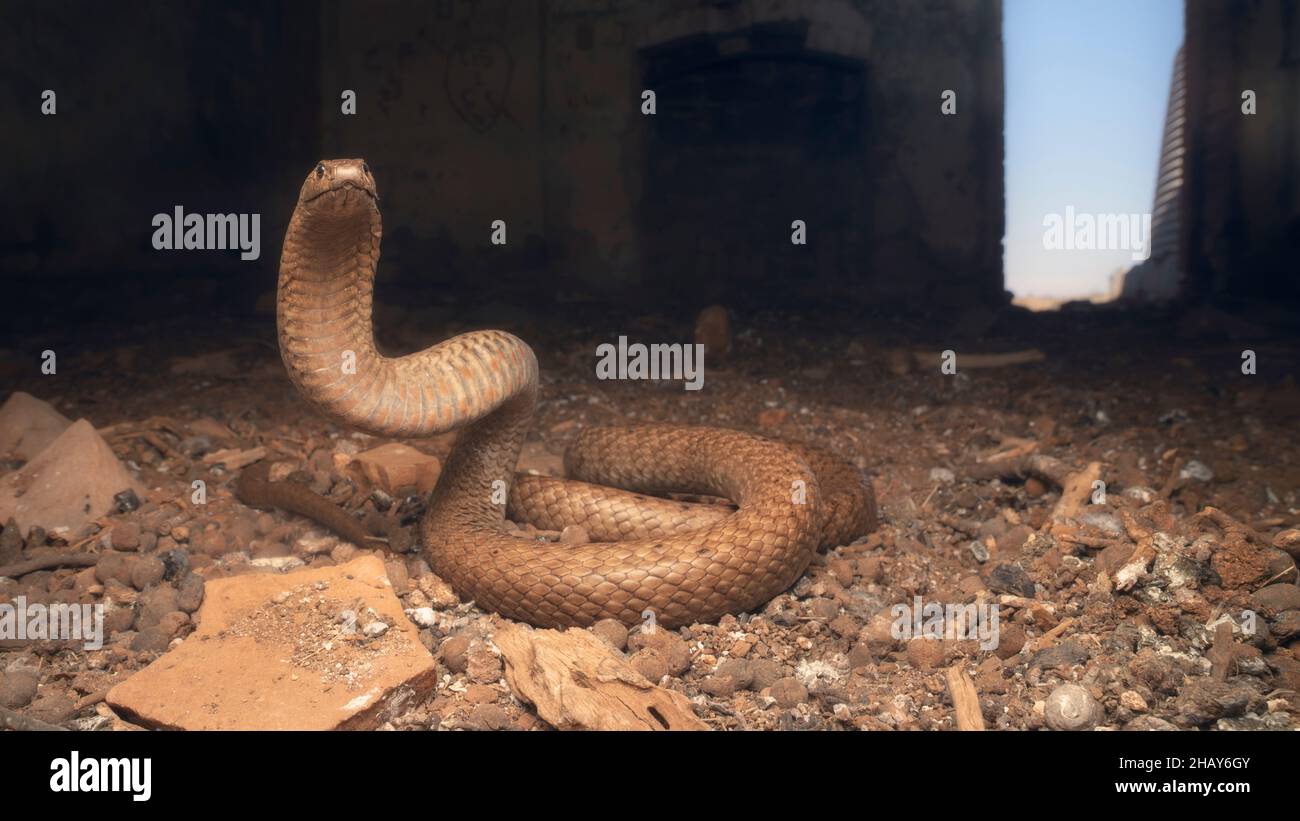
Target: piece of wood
[
  {"x": 971, "y": 361},
  {"x": 234, "y": 458},
  {"x": 1076, "y": 491},
  {"x": 1145, "y": 553},
  {"x": 965, "y": 700},
  {"x": 578, "y": 682},
  {"x": 1222, "y": 652},
  {"x": 22, "y": 568}
]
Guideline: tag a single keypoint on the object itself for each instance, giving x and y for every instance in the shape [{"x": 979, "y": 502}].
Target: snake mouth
[{"x": 344, "y": 188}]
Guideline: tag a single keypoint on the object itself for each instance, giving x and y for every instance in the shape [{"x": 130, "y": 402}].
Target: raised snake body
[{"x": 684, "y": 563}]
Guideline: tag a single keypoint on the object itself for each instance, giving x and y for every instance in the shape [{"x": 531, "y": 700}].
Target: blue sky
[{"x": 1086, "y": 89}]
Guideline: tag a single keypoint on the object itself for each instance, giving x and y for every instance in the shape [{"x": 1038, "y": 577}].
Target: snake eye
[
  {"x": 365, "y": 167},
  {"x": 320, "y": 170}
]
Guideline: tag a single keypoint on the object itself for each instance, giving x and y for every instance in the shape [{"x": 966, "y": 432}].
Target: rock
[
  {"x": 147, "y": 571},
  {"x": 489, "y": 717},
  {"x": 613, "y": 631},
  {"x": 70, "y": 482},
  {"x": 943, "y": 476},
  {"x": 1011, "y": 639},
  {"x": 154, "y": 604},
  {"x": 925, "y": 653},
  {"x": 53, "y": 708},
  {"x": 423, "y": 616},
  {"x": 650, "y": 664},
  {"x": 125, "y": 536},
  {"x": 731, "y": 675},
  {"x": 189, "y": 593},
  {"x": 1010, "y": 578},
  {"x": 765, "y": 673},
  {"x": 1286, "y": 625},
  {"x": 713, "y": 331},
  {"x": 395, "y": 466},
  {"x": 1066, "y": 653},
  {"x": 113, "y": 566},
  {"x": 483, "y": 665},
  {"x": 1132, "y": 700},
  {"x": 241, "y": 669},
  {"x": 157, "y": 638},
  {"x": 788, "y": 692},
  {"x": 28, "y": 425},
  {"x": 670, "y": 646},
  {"x": 1206, "y": 700},
  {"x": 18, "y": 687},
  {"x": 1276, "y": 598},
  {"x": 455, "y": 653},
  {"x": 1288, "y": 541},
  {"x": 11, "y": 542},
  {"x": 1071, "y": 707}
]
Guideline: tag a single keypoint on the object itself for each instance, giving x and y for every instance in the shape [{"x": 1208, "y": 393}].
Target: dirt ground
[{"x": 1122, "y": 597}]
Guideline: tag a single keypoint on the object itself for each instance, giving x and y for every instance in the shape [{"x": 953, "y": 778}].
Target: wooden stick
[
  {"x": 1221, "y": 652},
  {"x": 46, "y": 562},
  {"x": 965, "y": 700}
]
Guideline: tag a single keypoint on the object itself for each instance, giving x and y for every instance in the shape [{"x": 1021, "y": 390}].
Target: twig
[
  {"x": 46, "y": 562},
  {"x": 965, "y": 700},
  {"x": 1221, "y": 652}
]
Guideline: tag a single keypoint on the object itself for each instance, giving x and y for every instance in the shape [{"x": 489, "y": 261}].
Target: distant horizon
[{"x": 1086, "y": 92}]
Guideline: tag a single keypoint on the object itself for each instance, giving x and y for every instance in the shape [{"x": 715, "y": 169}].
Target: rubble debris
[{"x": 577, "y": 681}]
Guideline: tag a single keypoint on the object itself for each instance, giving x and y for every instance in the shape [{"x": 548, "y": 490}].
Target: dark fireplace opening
[{"x": 745, "y": 142}]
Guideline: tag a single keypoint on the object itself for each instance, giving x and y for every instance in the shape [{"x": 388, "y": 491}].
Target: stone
[
  {"x": 1071, "y": 707},
  {"x": 18, "y": 687},
  {"x": 147, "y": 571},
  {"x": 125, "y": 536},
  {"x": 189, "y": 593},
  {"x": 72, "y": 481},
  {"x": 395, "y": 466},
  {"x": 1276, "y": 598},
  {"x": 789, "y": 692},
  {"x": 28, "y": 425},
  {"x": 613, "y": 631},
  {"x": 668, "y": 644},
  {"x": 232, "y": 674},
  {"x": 455, "y": 653},
  {"x": 1010, "y": 578},
  {"x": 925, "y": 653}
]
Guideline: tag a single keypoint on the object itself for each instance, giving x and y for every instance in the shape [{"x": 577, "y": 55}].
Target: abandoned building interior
[{"x": 813, "y": 191}]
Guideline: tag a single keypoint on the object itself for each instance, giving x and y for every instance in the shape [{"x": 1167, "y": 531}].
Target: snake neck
[{"x": 484, "y": 381}]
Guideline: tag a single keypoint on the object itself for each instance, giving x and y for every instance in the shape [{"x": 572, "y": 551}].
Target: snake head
[{"x": 339, "y": 180}]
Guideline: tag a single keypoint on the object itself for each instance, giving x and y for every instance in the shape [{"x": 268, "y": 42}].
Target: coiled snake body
[{"x": 683, "y": 562}]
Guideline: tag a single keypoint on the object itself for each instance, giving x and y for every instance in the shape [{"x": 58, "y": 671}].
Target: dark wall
[
  {"x": 211, "y": 106},
  {"x": 1243, "y": 170},
  {"x": 526, "y": 111}
]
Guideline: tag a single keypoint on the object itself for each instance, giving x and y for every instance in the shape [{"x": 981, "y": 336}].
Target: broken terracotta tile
[
  {"x": 28, "y": 424},
  {"x": 395, "y": 466},
  {"x": 315, "y": 650},
  {"x": 69, "y": 483}
]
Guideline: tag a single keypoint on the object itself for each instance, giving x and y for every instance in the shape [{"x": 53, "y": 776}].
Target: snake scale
[{"x": 684, "y": 562}]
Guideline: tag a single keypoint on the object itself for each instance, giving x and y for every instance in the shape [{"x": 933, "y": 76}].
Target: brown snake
[{"x": 683, "y": 562}]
